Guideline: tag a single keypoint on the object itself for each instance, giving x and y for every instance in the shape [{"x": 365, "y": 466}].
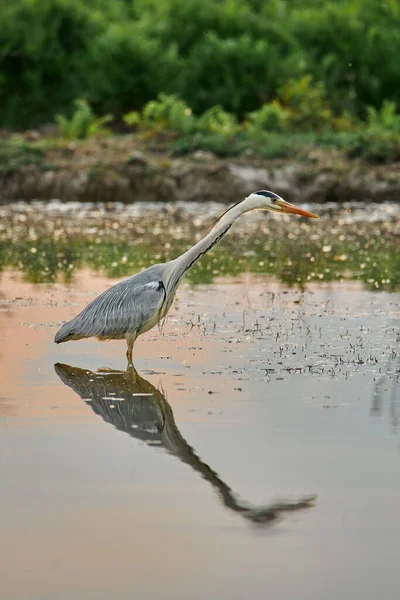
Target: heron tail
[{"x": 65, "y": 333}]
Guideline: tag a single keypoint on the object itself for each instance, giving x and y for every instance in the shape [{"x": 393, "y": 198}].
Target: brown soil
[{"x": 118, "y": 169}]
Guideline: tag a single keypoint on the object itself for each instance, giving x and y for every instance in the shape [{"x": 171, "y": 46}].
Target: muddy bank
[{"x": 116, "y": 170}]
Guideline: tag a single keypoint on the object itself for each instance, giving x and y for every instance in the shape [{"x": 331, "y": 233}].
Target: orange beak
[{"x": 295, "y": 210}]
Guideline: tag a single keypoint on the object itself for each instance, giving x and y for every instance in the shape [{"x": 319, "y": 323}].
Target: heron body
[
  {"x": 137, "y": 304},
  {"x": 130, "y": 307}
]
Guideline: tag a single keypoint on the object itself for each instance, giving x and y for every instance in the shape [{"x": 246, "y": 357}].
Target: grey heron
[{"x": 135, "y": 305}]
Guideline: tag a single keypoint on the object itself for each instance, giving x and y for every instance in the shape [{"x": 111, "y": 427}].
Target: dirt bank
[{"x": 116, "y": 169}]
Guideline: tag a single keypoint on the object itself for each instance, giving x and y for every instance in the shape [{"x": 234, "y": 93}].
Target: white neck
[{"x": 182, "y": 264}]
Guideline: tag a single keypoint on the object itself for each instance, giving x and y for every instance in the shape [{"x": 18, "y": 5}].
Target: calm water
[{"x": 255, "y": 452}]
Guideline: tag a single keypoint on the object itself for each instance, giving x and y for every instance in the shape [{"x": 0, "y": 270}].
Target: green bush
[
  {"x": 83, "y": 123},
  {"x": 238, "y": 74},
  {"x": 217, "y": 121},
  {"x": 377, "y": 140},
  {"x": 308, "y": 103},
  {"x": 320, "y": 59},
  {"x": 352, "y": 47},
  {"x": 386, "y": 117},
  {"x": 43, "y": 46},
  {"x": 132, "y": 118},
  {"x": 166, "y": 113},
  {"x": 375, "y": 146},
  {"x": 129, "y": 69},
  {"x": 270, "y": 117},
  {"x": 187, "y": 21}
]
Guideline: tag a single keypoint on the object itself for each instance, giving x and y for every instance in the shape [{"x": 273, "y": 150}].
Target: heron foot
[{"x": 131, "y": 373}]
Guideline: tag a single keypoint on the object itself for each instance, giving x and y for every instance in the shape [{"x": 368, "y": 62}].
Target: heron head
[{"x": 270, "y": 201}]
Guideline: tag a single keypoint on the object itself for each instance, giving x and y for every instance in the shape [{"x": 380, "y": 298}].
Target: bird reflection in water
[
  {"x": 133, "y": 405},
  {"x": 387, "y": 391}
]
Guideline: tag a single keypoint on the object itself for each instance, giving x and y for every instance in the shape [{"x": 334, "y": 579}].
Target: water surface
[{"x": 195, "y": 477}]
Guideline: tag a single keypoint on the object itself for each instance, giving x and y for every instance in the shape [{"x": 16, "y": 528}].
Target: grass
[
  {"x": 296, "y": 253},
  {"x": 297, "y": 121},
  {"x": 15, "y": 155}
]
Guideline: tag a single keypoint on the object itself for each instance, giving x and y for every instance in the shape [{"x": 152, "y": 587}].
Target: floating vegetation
[{"x": 51, "y": 241}]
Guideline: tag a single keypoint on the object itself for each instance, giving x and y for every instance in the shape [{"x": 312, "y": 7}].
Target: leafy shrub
[
  {"x": 377, "y": 140},
  {"x": 43, "y": 46},
  {"x": 186, "y": 21},
  {"x": 270, "y": 117},
  {"x": 344, "y": 122},
  {"x": 375, "y": 146},
  {"x": 128, "y": 68},
  {"x": 132, "y": 118},
  {"x": 238, "y": 74},
  {"x": 83, "y": 123},
  {"x": 385, "y": 118},
  {"x": 353, "y": 47},
  {"x": 168, "y": 112},
  {"x": 217, "y": 121},
  {"x": 239, "y": 54},
  {"x": 308, "y": 102}
]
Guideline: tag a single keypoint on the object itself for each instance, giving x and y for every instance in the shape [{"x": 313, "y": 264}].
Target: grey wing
[{"x": 124, "y": 308}]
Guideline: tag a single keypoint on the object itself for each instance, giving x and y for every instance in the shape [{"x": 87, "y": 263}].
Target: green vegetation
[
  {"x": 45, "y": 260},
  {"x": 83, "y": 123},
  {"x": 16, "y": 154},
  {"x": 293, "y": 251},
  {"x": 276, "y": 130},
  {"x": 227, "y": 76},
  {"x": 237, "y": 54},
  {"x": 299, "y": 118}
]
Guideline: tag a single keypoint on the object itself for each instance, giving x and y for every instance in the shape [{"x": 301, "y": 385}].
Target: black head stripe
[{"x": 268, "y": 194}]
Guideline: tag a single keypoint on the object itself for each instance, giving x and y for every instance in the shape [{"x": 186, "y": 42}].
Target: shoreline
[{"x": 116, "y": 169}]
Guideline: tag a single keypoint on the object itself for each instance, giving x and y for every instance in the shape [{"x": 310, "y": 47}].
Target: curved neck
[{"x": 184, "y": 262}]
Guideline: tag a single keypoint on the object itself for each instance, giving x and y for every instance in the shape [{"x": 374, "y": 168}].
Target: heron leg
[
  {"x": 130, "y": 340},
  {"x": 131, "y": 373}
]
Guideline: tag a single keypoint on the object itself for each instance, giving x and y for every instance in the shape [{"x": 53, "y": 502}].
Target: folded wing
[{"x": 123, "y": 309}]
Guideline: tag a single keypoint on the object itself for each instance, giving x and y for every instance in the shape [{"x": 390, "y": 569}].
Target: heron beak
[{"x": 295, "y": 210}]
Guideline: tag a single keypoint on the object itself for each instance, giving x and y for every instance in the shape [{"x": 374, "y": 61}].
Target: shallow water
[
  {"x": 51, "y": 241},
  {"x": 195, "y": 477}
]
